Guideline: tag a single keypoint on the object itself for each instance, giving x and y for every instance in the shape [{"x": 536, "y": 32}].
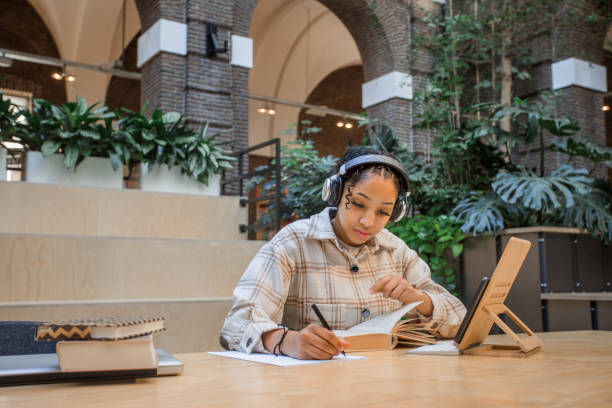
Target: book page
[
  {"x": 443, "y": 348},
  {"x": 281, "y": 361},
  {"x": 380, "y": 324}
]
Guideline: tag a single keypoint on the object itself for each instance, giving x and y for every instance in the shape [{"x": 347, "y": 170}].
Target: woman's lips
[{"x": 362, "y": 234}]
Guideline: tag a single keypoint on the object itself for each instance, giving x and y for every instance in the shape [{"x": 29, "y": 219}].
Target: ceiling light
[
  {"x": 58, "y": 76},
  {"x": 266, "y": 109},
  {"x": 605, "y": 108},
  {"x": 348, "y": 125},
  {"x": 340, "y": 124}
]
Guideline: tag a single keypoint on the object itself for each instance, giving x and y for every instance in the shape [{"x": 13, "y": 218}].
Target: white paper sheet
[{"x": 282, "y": 361}]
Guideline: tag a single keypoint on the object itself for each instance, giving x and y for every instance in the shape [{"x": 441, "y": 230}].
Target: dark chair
[{"x": 18, "y": 338}]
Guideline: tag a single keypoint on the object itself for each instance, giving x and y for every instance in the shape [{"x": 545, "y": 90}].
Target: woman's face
[{"x": 371, "y": 202}]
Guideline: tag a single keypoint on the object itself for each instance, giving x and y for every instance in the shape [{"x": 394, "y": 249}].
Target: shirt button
[
  {"x": 354, "y": 269},
  {"x": 249, "y": 341},
  {"x": 365, "y": 313}
]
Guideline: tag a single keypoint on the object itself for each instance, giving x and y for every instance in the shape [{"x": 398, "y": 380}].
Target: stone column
[
  {"x": 178, "y": 75},
  {"x": 162, "y": 49}
]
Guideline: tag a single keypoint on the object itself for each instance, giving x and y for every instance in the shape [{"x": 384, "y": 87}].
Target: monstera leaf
[
  {"x": 592, "y": 212},
  {"x": 546, "y": 193},
  {"x": 482, "y": 212}
]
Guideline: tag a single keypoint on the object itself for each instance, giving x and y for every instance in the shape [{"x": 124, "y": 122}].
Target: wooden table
[{"x": 573, "y": 369}]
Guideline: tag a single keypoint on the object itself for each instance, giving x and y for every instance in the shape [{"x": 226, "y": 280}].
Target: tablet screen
[{"x": 470, "y": 313}]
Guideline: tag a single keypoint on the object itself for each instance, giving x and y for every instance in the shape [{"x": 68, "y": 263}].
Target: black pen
[{"x": 323, "y": 321}]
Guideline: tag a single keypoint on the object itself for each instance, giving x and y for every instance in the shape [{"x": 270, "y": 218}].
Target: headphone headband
[
  {"x": 332, "y": 188},
  {"x": 374, "y": 159}
]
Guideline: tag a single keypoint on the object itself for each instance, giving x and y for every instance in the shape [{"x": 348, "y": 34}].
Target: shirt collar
[{"x": 320, "y": 228}]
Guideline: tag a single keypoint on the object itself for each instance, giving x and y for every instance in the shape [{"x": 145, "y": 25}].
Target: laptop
[{"x": 44, "y": 368}]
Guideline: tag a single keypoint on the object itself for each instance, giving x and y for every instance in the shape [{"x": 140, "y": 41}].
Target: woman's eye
[
  {"x": 386, "y": 214},
  {"x": 356, "y": 204}
]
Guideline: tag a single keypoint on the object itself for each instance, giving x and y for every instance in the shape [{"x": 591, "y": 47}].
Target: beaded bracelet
[{"x": 278, "y": 345}]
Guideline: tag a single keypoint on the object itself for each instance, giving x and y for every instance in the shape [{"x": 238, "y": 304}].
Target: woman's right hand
[{"x": 313, "y": 342}]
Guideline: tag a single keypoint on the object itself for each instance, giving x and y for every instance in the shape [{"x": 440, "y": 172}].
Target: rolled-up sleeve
[
  {"x": 258, "y": 299},
  {"x": 448, "y": 311}
]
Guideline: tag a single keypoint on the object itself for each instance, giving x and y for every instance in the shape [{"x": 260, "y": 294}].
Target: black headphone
[{"x": 333, "y": 186}]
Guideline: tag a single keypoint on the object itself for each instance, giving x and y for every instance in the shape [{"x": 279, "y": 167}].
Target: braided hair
[{"x": 356, "y": 174}]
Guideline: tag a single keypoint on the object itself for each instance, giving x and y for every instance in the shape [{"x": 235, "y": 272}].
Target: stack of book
[{"x": 104, "y": 344}]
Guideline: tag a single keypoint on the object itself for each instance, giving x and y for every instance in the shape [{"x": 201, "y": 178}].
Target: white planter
[
  {"x": 165, "y": 180},
  {"x": 2, "y": 164},
  {"x": 92, "y": 172}
]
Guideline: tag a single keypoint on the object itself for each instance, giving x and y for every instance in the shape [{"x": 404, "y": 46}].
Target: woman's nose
[{"x": 367, "y": 219}]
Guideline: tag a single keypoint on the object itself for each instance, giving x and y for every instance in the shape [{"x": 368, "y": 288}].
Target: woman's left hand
[{"x": 395, "y": 287}]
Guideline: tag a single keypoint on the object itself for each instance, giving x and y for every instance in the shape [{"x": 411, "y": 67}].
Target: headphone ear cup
[
  {"x": 399, "y": 210},
  {"x": 332, "y": 190}
]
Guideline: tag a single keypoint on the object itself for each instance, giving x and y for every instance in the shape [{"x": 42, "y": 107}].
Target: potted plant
[
  {"x": 73, "y": 144},
  {"x": 172, "y": 157}
]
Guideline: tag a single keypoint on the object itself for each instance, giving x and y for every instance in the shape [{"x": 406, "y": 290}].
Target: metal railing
[{"x": 242, "y": 176}]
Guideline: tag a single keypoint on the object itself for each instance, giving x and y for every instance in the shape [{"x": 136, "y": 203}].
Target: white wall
[{"x": 296, "y": 44}]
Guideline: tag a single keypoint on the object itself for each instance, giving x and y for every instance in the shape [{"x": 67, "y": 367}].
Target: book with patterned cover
[{"x": 101, "y": 328}]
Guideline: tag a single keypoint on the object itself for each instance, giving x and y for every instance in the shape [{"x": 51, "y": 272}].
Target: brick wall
[
  {"x": 210, "y": 89},
  {"x": 339, "y": 90},
  {"x": 572, "y": 37},
  {"x": 24, "y": 30}
]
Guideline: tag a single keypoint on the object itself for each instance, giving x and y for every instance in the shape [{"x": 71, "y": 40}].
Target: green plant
[
  {"x": 161, "y": 139},
  {"x": 165, "y": 139},
  {"x": 582, "y": 147},
  {"x": 530, "y": 120},
  {"x": 435, "y": 239},
  {"x": 205, "y": 156},
  {"x": 74, "y": 129},
  {"x": 8, "y": 117},
  {"x": 566, "y": 197},
  {"x": 38, "y": 125},
  {"x": 77, "y": 136},
  {"x": 472, "y": 169},
  {"x": 384, "y": 139},
  {"x": 302, "y": 175}
]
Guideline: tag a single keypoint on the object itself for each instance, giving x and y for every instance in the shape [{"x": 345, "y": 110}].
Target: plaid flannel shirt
[{"x": 304, "y": 264}]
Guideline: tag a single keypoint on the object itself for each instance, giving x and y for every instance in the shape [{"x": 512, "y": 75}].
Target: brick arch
[
  {"x": 124, "y": 92},
  {"x": 381, "y": 51},
  {"x": 341, "y": 89},
  {"x": 24, "y": 30}
]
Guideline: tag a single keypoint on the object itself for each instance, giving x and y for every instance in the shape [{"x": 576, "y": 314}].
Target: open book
[{"x": 386, "y": 331}]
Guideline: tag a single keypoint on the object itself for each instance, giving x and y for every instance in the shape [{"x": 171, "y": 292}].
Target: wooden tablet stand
[
  {"x": 524, "y": 346},
  {"x": 491, "y": 306}
]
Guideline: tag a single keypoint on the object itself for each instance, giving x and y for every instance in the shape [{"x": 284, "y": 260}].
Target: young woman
[{"x": 341, "y": 259}]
